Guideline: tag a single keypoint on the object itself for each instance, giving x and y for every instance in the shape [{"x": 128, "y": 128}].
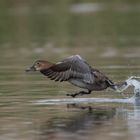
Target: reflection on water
[
  {"x": 91, "y": 121},
  {"x": 87, "y": 118}
]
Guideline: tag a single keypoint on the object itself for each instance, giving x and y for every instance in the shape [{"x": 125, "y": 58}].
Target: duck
[{"x": 75, "y": 70}]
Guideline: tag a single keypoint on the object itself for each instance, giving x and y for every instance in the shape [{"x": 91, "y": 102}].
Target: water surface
[{"x": 105, "y": 33}]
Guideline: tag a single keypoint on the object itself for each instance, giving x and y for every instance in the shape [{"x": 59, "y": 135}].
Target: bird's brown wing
[{"x": 71, "y": 67}]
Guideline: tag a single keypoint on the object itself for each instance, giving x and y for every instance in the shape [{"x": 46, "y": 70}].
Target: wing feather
[
  {"x": 71, "y": 67},
  {"x": 58, "y": 78}
]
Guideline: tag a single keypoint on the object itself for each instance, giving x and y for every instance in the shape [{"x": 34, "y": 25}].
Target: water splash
[{"x": 131, "y": 81}]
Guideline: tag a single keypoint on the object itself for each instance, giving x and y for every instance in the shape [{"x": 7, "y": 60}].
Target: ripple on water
[{"x": 83, "y": 100}]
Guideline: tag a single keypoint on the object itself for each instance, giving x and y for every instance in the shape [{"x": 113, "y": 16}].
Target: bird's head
[{"x": 39, "y": 65}]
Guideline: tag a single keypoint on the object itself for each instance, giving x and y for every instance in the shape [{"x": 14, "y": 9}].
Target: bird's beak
[{"x": 32, "y": 68}]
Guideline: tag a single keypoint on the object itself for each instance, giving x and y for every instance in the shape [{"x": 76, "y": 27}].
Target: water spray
[{"x": 131, "y": 81}]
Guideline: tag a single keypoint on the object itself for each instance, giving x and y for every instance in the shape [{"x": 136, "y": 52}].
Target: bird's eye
[{"x": 38, "y": 63}]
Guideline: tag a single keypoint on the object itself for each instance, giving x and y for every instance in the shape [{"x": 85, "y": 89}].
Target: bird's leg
[
  {"x": 83, "y": 92},
  {"x": 79, "y": 93}
]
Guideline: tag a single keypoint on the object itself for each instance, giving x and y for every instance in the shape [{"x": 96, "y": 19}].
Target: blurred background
[
  {"x": 40, "y": 25},
  {"x": 104, "y": 32}
]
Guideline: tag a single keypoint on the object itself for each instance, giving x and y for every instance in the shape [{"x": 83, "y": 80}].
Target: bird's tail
[
  {"x": 118, "y": 87},
  {"x": 111, "y": 84}
]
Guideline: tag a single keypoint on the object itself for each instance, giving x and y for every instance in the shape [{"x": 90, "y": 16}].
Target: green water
[{"x": 105, "y": 34}]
